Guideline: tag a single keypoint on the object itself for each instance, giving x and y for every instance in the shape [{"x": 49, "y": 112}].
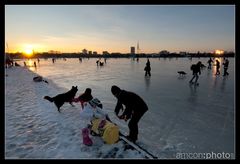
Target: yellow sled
[{"x": 109, "y": 132}]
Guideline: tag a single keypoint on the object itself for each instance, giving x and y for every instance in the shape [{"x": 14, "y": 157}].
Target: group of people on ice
[
  {"x": 92, "y": 111},
  {"x": 132, "y": 106},
  {"x": 196, "y": 69}
]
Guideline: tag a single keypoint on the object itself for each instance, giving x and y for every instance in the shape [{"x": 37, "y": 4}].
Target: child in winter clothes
[
  {"x": 84, "y": 97},
  {"x": 92, "y": 109}
]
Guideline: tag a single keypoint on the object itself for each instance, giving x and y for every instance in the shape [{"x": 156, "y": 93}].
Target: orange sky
[{"x": 115, "y": 28}]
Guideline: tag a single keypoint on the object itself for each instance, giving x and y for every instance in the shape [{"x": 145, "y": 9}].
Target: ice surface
[{"x": 181, "y": 117}]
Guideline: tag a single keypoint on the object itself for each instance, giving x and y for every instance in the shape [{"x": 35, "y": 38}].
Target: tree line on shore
[{"x": 116, "y": 55}]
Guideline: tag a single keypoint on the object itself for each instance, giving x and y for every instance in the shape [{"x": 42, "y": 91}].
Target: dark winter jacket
[
  {"x": 83, "y": 97},
  {"x": 147, "y": 67},
  {"x": 226, "y": 64},
  {"x": 134, "y": 104},
  {"x": 196, "y": 68}
]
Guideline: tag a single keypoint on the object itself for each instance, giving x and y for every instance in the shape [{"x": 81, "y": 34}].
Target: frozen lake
[{"x": 181, "y": 117}]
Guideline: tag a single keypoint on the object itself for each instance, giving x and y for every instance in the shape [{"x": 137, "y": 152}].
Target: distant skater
[
  {"x": 225, "y": 67},
  {"x": 210, "y": 61},
  {"x": 16, "y": 64},
  {"x": 147, "y": 68},
  {"x": 137, "y": 56},
  {"x": 218, "y": 67},
  {"x": 98, "y": 61},
  {"x": 196, "y": 68}
]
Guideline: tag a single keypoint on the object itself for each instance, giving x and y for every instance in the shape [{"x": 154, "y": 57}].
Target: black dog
[
  {"x": 60, "y": 99},
  {"x": 182, "y": 73}
]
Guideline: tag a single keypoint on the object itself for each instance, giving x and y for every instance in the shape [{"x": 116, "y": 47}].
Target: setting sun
[
  {"x": 28, "y": 51},
  {"x": 219, "y": 52}
]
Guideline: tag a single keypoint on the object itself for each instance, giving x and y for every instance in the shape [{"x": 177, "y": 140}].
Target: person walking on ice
[
  {"x": 196, "y": 69},
  {"x": 147, "y": 68},
  {"x": 225, "y": 64},
  {"x": 210, "y": 61},
  {"x": 218, "y": 67}
]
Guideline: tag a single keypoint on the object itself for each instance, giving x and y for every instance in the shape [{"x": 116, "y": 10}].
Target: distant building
[
  {"x": 105, "y": 53},
  {"x": 54, "y": 52},
  {"x": 164, "y": 52},
  {"x": 89, "y": 52},
  {"x": 132, "y": 50},
  {"x": 84, "y": 51},
  {"x": 182, "y": 53}
]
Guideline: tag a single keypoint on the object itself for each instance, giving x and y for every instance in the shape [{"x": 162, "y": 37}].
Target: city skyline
[{"x": 116, "y": 28}]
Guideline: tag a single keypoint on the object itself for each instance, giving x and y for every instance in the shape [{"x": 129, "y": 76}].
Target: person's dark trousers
[
  {"x": 225, "y": 72},
  {"x": 147, "y": 73},
  {"x": 133, "y": 126}
]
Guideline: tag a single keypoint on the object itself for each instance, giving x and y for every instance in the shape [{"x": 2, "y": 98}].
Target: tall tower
[
  {"x": 132, "y": 50},
  {"x": 138, "y": 49}
]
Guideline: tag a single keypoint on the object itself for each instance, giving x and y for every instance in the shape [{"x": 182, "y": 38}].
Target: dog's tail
[{"x": 48, "y": 98}]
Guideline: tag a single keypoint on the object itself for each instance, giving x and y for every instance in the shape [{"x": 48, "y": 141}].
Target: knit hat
[
  {"x": 88, "y": 91},
  {"x": 115, "y": 90}
]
